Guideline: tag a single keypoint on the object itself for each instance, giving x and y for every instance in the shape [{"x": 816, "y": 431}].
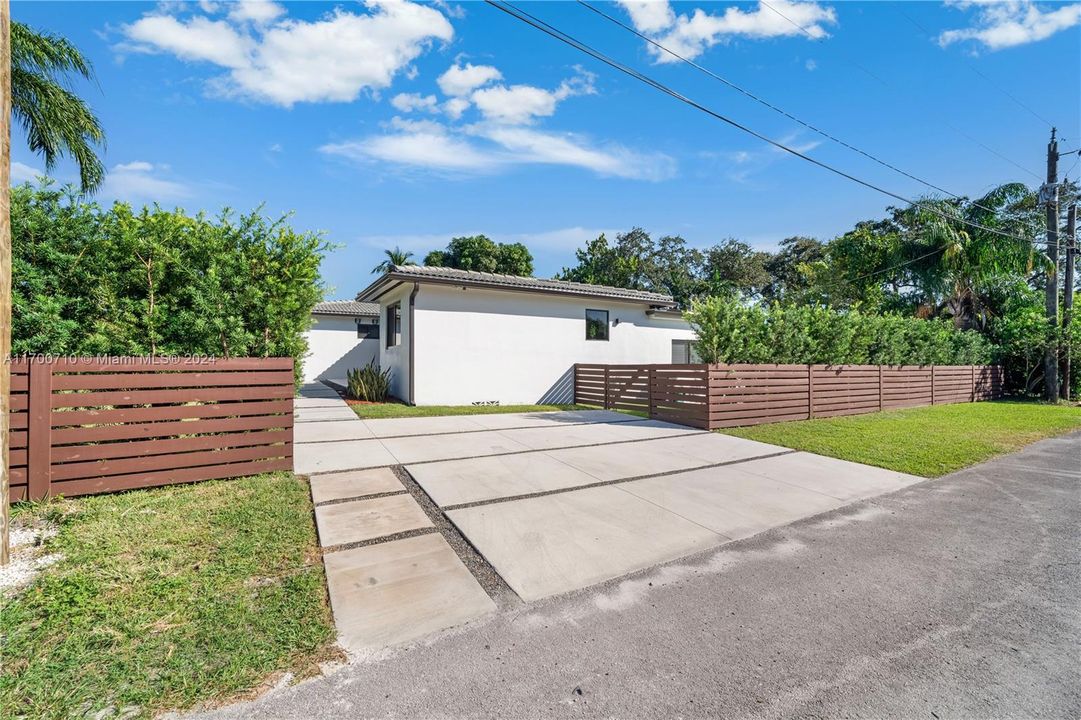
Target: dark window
[
  {"x": 368, "y": 328},
  {"x": 596, "y": 324},
  {"x": 683, "y": 352},
  {"x": 394, "y": 324}
]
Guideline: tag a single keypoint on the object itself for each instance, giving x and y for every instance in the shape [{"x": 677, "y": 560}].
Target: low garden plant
[{"x": 368, "y": 383}]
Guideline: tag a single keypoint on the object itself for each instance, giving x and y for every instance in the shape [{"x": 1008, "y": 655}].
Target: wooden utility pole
[
  {"x": 5, "y": 272},
  {"x": 1067, "y": 292},
  {"x": 1050, "y": 198}
]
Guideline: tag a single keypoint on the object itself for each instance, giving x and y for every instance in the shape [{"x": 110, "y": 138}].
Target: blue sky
[{"x": 398, "y": 123}]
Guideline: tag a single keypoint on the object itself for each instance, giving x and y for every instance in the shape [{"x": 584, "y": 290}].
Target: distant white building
[
  {"x": 456, "y": 337},
  {"x": 344, "y": 335}
]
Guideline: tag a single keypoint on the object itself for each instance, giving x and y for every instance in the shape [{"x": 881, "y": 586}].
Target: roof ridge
[{"x": 440, "y": 269}]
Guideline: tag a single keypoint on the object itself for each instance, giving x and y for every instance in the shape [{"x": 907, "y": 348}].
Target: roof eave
[
  {"x": 379, "y": 288},
  {"x": 366, "y": 295}
]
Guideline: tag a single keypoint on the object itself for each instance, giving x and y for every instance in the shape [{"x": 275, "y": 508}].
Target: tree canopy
[{"x": 478, "y": 252}]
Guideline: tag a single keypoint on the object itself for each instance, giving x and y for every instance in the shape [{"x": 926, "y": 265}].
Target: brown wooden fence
[
  {"x": 82, "y": 426},
  {"x": 716, "y": 396}
]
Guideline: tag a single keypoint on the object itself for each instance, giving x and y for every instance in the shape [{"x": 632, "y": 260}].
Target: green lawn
[
  {"x": 926, "y": 441},
  {"x": 166, "y": 598},
  {"x": 398, "y": 410}
]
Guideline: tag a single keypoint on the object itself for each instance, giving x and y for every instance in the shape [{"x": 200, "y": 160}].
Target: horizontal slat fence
[
  {"x": 83, "y": 426},
  {"x": 717, "y": 396}
]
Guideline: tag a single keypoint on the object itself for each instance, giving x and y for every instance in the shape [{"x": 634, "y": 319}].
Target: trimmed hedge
[{"x": 732, "y": 332}]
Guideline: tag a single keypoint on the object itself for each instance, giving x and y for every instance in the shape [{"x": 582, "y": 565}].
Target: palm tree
[
  {"x": 57, "y": 121},
  {"x": 397, "y": 256},
  {"x": 33, "y": 70},
  {"x": 957, "y": 262}
]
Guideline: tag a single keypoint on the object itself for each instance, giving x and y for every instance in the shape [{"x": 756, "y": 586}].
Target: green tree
[
  {"x": 397, "y": 256},
  {"x": 480, "y": 253},
  {"x": 789, "y": 265},
  {"x": 734, "y": 266},
  {"x": 57, "y": 122},
  {"x": 629, "y": 263}
]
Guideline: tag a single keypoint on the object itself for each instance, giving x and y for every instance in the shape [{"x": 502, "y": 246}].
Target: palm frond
[{"x": 57, "y": 122}]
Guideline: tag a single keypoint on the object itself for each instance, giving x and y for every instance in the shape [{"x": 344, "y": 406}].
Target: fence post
[
  {"x": 810, "y": 392},
  {"x": 652, "y": 379},
  {"x": 39, "y": 429},
  {"x": 932, "y": 384},
  {"x": 880, "y": 388},
  {"x": 607, "y": 404},
  {"x": 973, "y": 382}
]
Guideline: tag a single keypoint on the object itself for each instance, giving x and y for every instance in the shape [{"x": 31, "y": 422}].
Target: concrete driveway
[
  {"x": 551, "y": 502},
  {"x": 955, "y": 598}
]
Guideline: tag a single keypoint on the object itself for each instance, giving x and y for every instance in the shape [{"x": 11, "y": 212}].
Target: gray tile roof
[
  {"x": 515, "y": 282},
  {"x": 351, "y": 308}
]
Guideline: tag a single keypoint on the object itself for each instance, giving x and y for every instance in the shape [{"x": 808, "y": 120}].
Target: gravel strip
[{"x": 485, "y": 574}]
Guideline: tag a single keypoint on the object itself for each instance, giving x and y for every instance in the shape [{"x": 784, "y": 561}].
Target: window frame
[
  {"x": 369, "y": 325},
  {"x": 607, "y": 325},
  {"x": 394, "y": 325}
]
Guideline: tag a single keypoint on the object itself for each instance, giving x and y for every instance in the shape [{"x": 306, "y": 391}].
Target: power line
[
  {"x": 567, "y": 39},
  {"x": 771, "y": 106},
  {"x": 979, "y": 72},
  {"x": 946, "y": 122}
]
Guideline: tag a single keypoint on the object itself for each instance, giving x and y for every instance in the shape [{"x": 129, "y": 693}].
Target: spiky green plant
[{"x": 368, "y": 383}]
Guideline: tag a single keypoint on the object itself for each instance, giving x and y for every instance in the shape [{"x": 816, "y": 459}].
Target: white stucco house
[
  {"x": 457, "y": 337},
  {"x": 344, "y": 335}
]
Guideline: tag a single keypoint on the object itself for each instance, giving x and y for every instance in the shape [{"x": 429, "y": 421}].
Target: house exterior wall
[
  {"x": 476, "y": 345},
  {"x": 334, "y": 348},
  {"x": 396, "y": 358}
]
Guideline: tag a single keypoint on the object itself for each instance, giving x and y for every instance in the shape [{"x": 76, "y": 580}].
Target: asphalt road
[{"x": 958, "y": 597}]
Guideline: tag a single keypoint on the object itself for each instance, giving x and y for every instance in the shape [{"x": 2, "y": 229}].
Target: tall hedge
[
  {"x": 90, "y": 280},
  {"x": 732, "y": 332}
]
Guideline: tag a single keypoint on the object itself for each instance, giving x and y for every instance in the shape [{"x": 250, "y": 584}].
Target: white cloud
[
  {"x": 487, "y": 148},
  {"x": 200, "y": 39},
  {"x": 21, "y": 172},
  {"x": 650, "y": 16},
  {"x": 1014, "y": 22},
  {"x": 811, "y": 65},
  {"x": 142, "y": 181},
  {"x": 460, "y": 80},
  {"x": 455, "y": 107},
  {"x": 259, "y": 12},
  {"x": 533, "y": 146},
  {"x": 289, "y": 61},
  {"x": 692, "y": 34},
  {"x": 275, "y": 148},
  {"x": 410, "y": 102},
  {"x": 417, "y": 144},
  {"x": 520, "y": 104}
]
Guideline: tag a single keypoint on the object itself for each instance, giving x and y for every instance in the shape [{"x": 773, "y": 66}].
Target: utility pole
[
  {"x": 5, "y": 273},
  {"x": 1067, "y": 292},
  {"x": 1050, "y": 197}
]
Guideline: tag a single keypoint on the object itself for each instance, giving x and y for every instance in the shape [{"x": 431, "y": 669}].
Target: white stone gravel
[{"x": 28, "y": 558}]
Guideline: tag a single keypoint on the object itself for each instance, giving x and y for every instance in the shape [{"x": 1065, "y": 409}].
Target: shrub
[
  {"x": 93, "y": 280},
  {"x": 368, "y": 383},
  {"x": 732, "y": 332}
]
